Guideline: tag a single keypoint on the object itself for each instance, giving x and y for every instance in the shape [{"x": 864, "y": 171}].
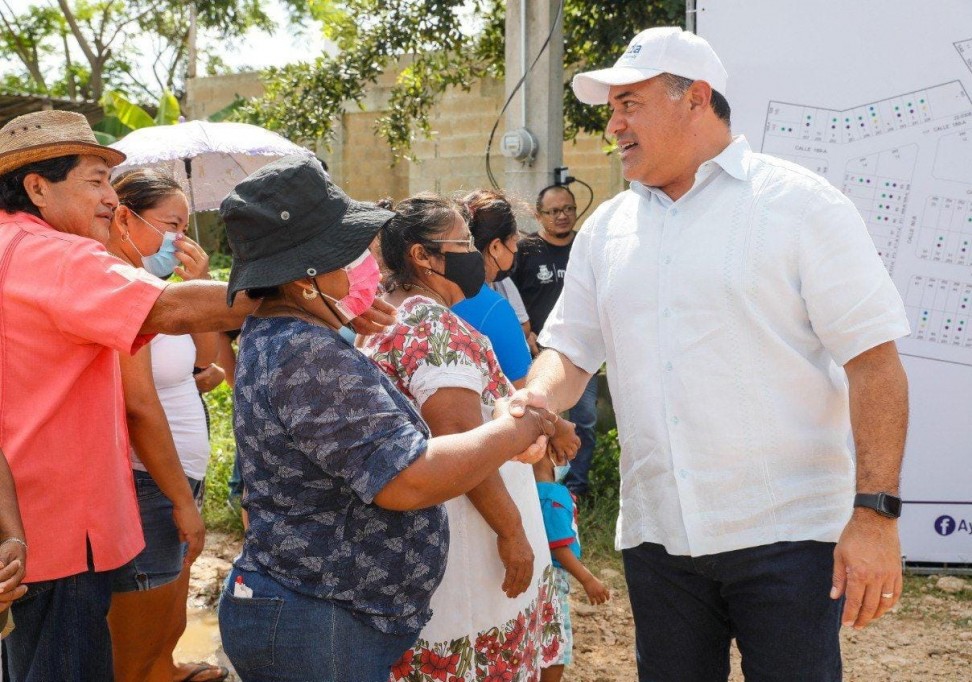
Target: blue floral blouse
[{"x": 320, "y": 430}]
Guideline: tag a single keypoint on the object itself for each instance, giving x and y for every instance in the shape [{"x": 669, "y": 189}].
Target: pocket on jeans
[{"x": 248, "y": 628}]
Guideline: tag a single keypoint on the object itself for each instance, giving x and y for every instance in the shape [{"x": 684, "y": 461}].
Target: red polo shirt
[{"x": 66, "y": 308}]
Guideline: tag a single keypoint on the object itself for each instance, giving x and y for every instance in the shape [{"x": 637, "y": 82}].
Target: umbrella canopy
[{"x": 217, "y": 155}]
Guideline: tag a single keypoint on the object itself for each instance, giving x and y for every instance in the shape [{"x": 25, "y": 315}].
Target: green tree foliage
[
  {"x": 434, "y": 44},
  {"x": 83, "y": 48}
]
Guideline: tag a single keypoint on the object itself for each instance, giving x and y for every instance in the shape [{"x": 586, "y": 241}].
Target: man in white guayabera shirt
[{"x": 748, "y": 325}]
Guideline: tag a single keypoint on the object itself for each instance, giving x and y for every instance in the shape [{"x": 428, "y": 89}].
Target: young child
[{"x": 560, "y": 522}]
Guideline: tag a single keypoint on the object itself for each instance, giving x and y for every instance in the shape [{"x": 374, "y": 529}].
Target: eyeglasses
[
  {"x": 566, "y": 210},
  {"x": 469, "y": 243}
]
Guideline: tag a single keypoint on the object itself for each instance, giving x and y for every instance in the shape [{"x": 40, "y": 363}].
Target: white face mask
[{"x": 560, "y": 472}]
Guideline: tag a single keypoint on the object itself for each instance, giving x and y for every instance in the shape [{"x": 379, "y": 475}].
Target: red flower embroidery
[
  {"x": 466, "y": 345},
  {"x": 439, "y": 667},
  {"x": 515, "y": 636},
  {"x": 499, "y": 672},
  {"x": 423, "y": 330},
  {"x": 414, "y": 354},
  {"x": 451, "y": 324},
  {"x": 404, "y": 665},
  {"x": 549, "y": 652},
  {"x": 548, "y": 612},
  {"x": 488, "y": 644}
]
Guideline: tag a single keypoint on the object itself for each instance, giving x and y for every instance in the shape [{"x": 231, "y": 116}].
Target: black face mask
[
  {"x": 467, "y": 270},
  {"x": 502, "y": 274}
]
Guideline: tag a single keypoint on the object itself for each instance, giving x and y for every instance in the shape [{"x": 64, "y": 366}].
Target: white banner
[{"x": 876, "y": 96}]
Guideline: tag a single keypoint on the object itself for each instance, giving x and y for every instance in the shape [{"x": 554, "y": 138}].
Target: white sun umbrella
[{"x": 209, "y": 159}]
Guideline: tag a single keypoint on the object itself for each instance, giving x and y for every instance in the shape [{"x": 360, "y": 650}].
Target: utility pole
[{"x": 538, "y": 106}]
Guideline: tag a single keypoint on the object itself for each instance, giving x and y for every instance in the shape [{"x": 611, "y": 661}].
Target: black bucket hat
[{"x": 288, "y": 221}]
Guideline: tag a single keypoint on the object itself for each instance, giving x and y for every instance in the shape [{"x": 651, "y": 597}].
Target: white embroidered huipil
[{"x": 725, "y": 318}]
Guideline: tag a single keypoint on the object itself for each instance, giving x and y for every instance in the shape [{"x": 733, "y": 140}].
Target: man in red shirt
[{"x": 67, "y": 307}]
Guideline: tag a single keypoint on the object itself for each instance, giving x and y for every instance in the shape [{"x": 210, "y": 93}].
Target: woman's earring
[{"x": 309, "y": 294}]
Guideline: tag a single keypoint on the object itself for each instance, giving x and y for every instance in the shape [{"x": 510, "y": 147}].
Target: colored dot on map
[
  {"x": 834, "y": 120},
  {"x": 912, "y": 111},
  {"x": 894, "y": 184},
  {"x": 860, "y": 118},
  {"x": 833, "y": 127},
  {"x": 869, "y": 181},
  {"x": 885, "y": 195},
  {"x": 921, "y": 101},
  {"x": 899, "y": 115},
  {"x": 847, "y": 127}
]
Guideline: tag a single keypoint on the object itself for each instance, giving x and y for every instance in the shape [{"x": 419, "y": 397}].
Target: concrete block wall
[{"x": 451, "y": 161}]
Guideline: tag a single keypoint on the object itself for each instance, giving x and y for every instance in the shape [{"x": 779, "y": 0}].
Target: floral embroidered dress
[{"x": 476, "y": 631}]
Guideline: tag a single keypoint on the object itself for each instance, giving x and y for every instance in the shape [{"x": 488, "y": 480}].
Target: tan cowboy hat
[{"x": 43, "y": 135}]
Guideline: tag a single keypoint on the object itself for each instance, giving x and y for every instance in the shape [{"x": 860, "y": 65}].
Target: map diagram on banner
[{"x": 906, "y": 163}]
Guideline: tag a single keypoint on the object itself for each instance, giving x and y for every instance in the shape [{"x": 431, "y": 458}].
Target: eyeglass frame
[
  {"x": 470, "y": 243},
  {"x": 567, "y": 211}
]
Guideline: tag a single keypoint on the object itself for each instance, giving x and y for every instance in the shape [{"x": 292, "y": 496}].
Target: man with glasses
[{"x": 538, "y": 272}]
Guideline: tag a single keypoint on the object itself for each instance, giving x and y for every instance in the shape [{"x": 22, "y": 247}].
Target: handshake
[{"x": 557, "y": 436}]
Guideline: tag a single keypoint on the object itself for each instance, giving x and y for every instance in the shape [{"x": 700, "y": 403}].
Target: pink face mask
[{"x": 363, "y": 279}]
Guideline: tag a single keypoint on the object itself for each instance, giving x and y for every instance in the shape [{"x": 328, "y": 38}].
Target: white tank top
[{"x": 173, "y": 358}]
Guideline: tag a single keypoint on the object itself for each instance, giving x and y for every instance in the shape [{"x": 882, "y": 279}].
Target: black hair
[
  {"x": 143, "y": 188},
  {"x": 677, "y": 86},
  {"x": 13, "y": 196},
  {"x": 550, "y": 188},
  {"x": 490, "y": 217},
  {"x": 263, "y": 292},
  {"x": 418, "y": 220}
]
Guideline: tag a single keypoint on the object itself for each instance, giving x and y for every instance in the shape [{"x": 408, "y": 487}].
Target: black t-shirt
[{"x": 538, "y": 273}]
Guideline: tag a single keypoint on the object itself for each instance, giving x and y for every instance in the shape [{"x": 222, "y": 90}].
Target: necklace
[{"x": 412, "y": 285}]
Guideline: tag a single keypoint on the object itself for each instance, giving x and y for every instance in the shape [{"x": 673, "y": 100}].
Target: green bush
[
  {"x": 216, "y": 512},
  {"x": 598, "y": 512}
]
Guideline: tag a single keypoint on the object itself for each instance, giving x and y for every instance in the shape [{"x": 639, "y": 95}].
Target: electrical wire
[
  {"x": 589, "y": 201},
  {"x": 519, "y": 84}
]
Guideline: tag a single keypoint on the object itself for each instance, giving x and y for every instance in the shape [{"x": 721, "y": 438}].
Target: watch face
[{"x": 891, "y": 504}]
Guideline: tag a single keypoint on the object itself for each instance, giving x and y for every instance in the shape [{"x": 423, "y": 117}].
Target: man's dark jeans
[
  {"x": 61, "y": 631},
  {"x": 584, "y": 416},
  {"x": 774, "y": 599}
]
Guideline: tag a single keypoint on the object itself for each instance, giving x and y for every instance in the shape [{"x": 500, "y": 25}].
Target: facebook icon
[{"x": 945, "y": 525}]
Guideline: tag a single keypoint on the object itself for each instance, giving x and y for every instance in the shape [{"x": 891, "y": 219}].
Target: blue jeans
[
  {"x": 279, "y": 635},
  {"x": 584, "y": 416},
  {"x": 774, "y": 599},
  {"x": 161, "y": 561},
  {"x": 61, "y": 632}
]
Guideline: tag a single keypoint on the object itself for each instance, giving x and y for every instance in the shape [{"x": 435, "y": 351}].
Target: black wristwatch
[{"x": 884, "y": 504}]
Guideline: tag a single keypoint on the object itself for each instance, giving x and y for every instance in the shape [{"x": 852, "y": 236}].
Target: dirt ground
[{"x": 928, "y": 636}]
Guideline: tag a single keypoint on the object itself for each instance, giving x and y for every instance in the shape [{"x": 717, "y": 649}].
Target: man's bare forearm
[
  {"x": 197, "y": 306},
  {"x": 878, "y": 390},
  {"x": 561, "y": 381}
]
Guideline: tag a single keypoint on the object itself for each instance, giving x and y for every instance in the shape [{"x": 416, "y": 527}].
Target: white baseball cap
[{"x": 666, "y": 49}]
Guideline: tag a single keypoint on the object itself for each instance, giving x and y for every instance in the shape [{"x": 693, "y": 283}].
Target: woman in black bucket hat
[{"x": 347, "y": 538}]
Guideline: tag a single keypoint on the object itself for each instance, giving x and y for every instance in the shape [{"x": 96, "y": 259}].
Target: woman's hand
[
  {"x": 195, "y": 261},
  {"x": 209, "y": 378},
  {"x": 191, "y": 530},
  {"x": 564, "y": 444},
  {"x": 517, "y": 557},
  {"x": 374, "y": 320}
]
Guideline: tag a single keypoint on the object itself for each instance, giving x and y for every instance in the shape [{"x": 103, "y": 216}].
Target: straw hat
[{"x": 43, "y": 135}]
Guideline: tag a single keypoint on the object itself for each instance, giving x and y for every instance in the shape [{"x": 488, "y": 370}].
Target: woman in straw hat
[{"x": 343, "y": 484}]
